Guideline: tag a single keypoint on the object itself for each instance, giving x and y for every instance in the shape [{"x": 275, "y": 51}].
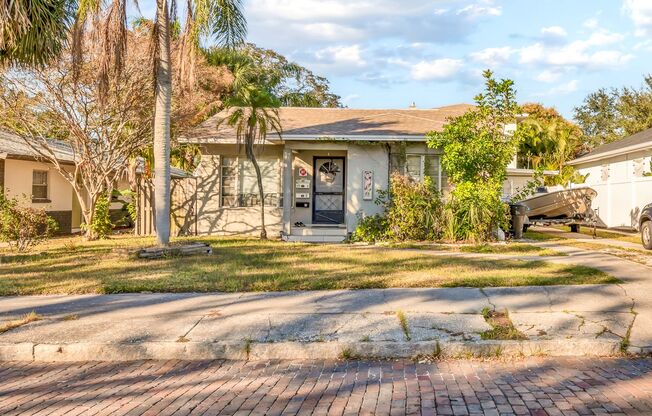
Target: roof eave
[
  {"x": 349, "y": 137},
  {"x": 612, "y": 153}
]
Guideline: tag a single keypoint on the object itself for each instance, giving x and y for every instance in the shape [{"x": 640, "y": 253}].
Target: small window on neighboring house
[{"x": 40, "y": 185}]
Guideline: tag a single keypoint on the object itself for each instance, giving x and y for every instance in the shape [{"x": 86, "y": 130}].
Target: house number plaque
[{"x": 303, "y": 184}]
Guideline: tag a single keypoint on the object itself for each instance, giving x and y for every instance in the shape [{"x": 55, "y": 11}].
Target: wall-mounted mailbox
[
  {"x": 302, "y": 205},
  {"x": 302, "y": 183}
]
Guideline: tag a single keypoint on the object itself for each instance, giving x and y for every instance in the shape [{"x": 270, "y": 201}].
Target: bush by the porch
[{"x": 413, "y": 211}]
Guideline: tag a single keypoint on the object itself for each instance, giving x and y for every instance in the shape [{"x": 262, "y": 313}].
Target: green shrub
[
  {"x": 414, "y": 211},
  {"x": 476, "y": 151},
  {"x": 101, "y": 225},
  {"x": 370, "y": 229},
  {"x": 23, "y": 227},
  {"x": 474, "y": 211}
]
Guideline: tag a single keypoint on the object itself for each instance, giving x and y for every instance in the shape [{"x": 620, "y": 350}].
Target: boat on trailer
[{"x": 567, "y": 206}]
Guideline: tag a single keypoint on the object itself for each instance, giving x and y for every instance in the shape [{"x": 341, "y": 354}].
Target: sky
[{"x": 390, "y": 53}]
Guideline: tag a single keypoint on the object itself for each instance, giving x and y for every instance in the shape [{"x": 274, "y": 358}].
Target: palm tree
[
  {"x": 222, "y": 20},
  {"x": 33, "y": 32},
  {"x": 253, "y": 113}
]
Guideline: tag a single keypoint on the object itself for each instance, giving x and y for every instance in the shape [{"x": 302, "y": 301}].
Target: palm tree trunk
[
  {"x": 163, "y": 98},
  {"x": 261, "y": 193}
]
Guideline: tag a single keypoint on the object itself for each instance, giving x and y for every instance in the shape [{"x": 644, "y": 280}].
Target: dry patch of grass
[
  {"x": 240, "y": 264},
  {"x": 507, "y": 248},
  {"x": 599, "y": 233},
  {"x": 24, "y": 320}
]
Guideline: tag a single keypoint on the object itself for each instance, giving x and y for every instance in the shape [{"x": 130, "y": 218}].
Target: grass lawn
[
  {"x": 72, "y": 266},
  {"x": 511, "y": 248},
  {"x": 630, "y": 238}
]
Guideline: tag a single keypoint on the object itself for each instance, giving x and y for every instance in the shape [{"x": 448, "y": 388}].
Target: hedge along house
[{"x": 321, "y": 175}]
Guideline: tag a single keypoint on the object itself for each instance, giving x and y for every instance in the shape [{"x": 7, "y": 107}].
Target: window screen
[{"x": 40, "y": 184}]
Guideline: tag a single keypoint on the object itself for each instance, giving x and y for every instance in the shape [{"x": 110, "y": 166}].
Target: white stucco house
[
  {"x": 621, "y": 173},
  {"x": 322, "y": 174}
]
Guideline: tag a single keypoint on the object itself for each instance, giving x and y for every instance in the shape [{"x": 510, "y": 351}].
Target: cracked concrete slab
[
  {"x": 442, "y": 300},
  {"x": 587, "y": 298},
  {"x": 99, "y": 329},
  {"x": 254, "y": 327},
  {"x": 371, "y": 327},
  {"x": 556, "y": 325},
  {"x": 447, "y": 327},
  {"x": 522, "y": 299}
]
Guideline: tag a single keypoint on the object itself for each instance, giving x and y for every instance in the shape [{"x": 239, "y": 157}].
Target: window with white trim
[
  {"x": 239, "y": 186},
  {"x": 418, "y": 166},
  {"x": 39, "y": 185}
]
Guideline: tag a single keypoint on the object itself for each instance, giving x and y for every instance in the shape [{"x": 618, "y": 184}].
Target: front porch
[{"x": 326, "y": 186}]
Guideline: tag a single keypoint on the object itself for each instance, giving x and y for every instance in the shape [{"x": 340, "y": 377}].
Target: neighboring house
[
  {"x": 321, "y": 175},
  {"x": 620, "y": 172},
  {"x": 36, "y": 183}
]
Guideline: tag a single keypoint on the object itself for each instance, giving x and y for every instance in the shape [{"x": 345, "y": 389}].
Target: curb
[{"x": 244, "y": 350}]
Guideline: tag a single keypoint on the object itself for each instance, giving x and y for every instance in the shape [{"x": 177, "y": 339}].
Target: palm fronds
[{"x": 34, "y": 32}]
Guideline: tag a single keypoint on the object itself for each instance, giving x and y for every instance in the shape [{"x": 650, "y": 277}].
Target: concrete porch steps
[{"x": 317, "y": 234}]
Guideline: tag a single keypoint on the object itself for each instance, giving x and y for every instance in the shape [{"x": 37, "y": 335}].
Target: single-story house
[
  {"x": 321, "y": 175},
  {"x": 25, "y": 175},
  {"x": 35, "y": 182},
  {"x": 621, "y": 173}
]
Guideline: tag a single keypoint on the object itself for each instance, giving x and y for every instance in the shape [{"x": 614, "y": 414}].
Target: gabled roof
[
  {"x": 14, "y": 146},
  {"x": 301, "y": 123},
  {"x": 633, "y": 143}
]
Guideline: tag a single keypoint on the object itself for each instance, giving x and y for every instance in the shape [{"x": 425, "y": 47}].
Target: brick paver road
[{"x": 533, "y": 386}]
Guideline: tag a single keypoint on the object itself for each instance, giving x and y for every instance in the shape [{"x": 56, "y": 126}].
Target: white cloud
[
  {"x": 561, "y": 89},
  {"x": 341, "y": 56},
  {"x": 437, "y": 70},
  {"x": 548, "y": 76},
  {"x": 554, "y": 31},
  {"x": 282, "y": 22},
  {"x": 493, "y": 57},
  {"x": 591, "y": 23},
  {"x": 351, "y": 97},
  {"x": 640, "y": 11},
  {"x": 475, "y": 11},
  {"x": 567, "y": 88},
  {"x": 586, "y": 53}
]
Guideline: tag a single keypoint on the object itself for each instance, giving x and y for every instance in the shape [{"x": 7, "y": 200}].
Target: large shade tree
[
  {"x": 253, "y": 114},
  {"x": 105, "y": 23},
  {"x": 608, "y": 115},
  {"x": 96, "y": 133}
]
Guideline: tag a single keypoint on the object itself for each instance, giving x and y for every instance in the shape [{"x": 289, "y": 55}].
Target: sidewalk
[{"x": 560, "y": 320}]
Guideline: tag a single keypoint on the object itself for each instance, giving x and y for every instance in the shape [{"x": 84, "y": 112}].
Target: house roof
[
  {"x": 14, "y": 146},
  {"x": 301, "y": 123},
  {"x": 633, "y": 143}
]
